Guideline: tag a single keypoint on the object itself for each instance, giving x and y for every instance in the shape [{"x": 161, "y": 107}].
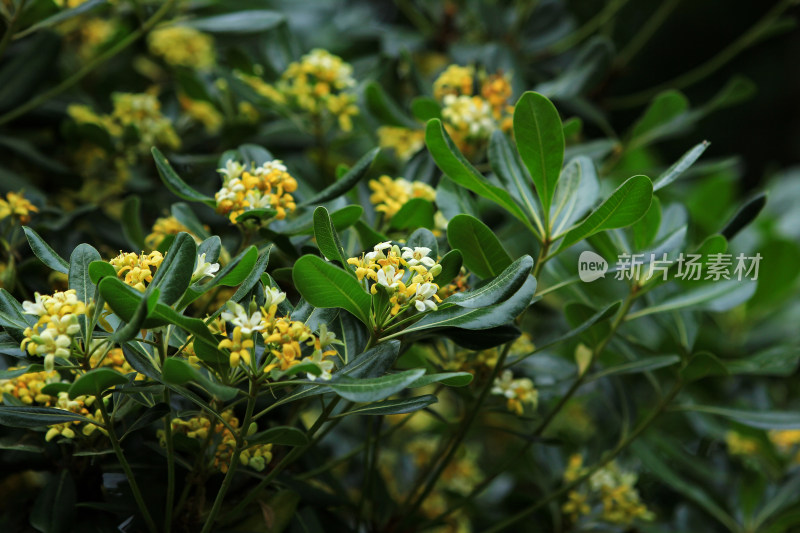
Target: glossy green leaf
[
  {"x": 99, "y": 270},
  {"x": 451, "y": 266},
  {"x": 324, "y": 285},
  {"x": 95, "y": 382},
  {"x": 482, "y": 251},
  {"x": 424, "y": 108},
  {"x": 328, "y": 240},
  {"x": 646, "y": 229},
  {"x": 576, "y": 193},
  {"x": 540, "y": 142},
  {"x": 175, "y": 184},
  {"x": 450, "y": 379},
  {"x": 132, "y": 222},
  {"x": 498, "y": 289},
  {"x": 744, "y": 216},
  {"x": 79, "y": 278},
  {"x": 513, "y": 175},
  {"x": 384, "y": 108},
  {"x": 175, "y": 272},
  {"x": 179, "y": 372},
  {"x": 393, "y": 407},
  {"x": 758, "y": 419},
  {"x": 716, "y": 296},
  {"x": 415, "y": 213},
  {"x": 627, "y": 204},
  {"x": 450, "y": 160},
  {"x": 245, "y": 21},
  {"x": 665, "y": 115},
  {"x": 374, "y": 389},
  {"x": 346, "y": 182},
  {"x": 43, "y": 251},
  {"x": 34, "y": 417},
  {"x": 680, "y": 166}
]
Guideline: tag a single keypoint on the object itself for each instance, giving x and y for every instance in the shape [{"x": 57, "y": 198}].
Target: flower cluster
[
  {"x": 320, "y": 83},
  {"x": 115, "y": 360},
  {"x": 27, "y": 388},
  {"x": 407, "y": 275},
  {"x": 284, "y": 339},
  {"x": 610, "y": 486},
  {"x": 203, "y": 112},
  {"x": 268, "y": 186},
  {"x": 404, "y": 141},
  {"x": 389, "y": 195},
  {"x": 182, "y": 46},
  {"x": 56, "y": 327},
  {"x": 141, "y": 111},
  {"x": 162, "y": 228},
  {"x": 135, "y": 269},
  {"x": 518, "y": 392},
  {"x": 739, "y": 444},
  {"x": 199, "y": 428},
  {"x": 787, "y": 441},
  {"x": 15, "y": 205}
]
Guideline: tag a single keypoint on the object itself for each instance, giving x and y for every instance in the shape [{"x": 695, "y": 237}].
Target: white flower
[
  {"x": 324, "y": 365},
  {"x": 273, "y": 296},
  {"x": 418, "y": 255},
  {"x": 326, "y": 338},
  {"x": 269, "y": 166},
  {"x": 204, "y": 268},
  {"x": 237, "y": 315},
  {"x": 425, "y": 293},
  {"x": 504, "y": 384},
  {"x": 233, "y": 169},
  {"x": 389, "y": 278},
  {"x": 35, "y": 308},
  {"x": 378, "y": 251}
]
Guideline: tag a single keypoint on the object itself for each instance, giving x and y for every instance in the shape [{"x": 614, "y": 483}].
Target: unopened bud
[{"x": 435, "y": 270}]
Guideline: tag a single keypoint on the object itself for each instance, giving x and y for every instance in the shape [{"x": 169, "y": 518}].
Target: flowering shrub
[{"x": 282, "y": 271}]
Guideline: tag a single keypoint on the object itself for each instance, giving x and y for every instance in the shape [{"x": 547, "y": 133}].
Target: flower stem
[{"x": 137, "y": 494}]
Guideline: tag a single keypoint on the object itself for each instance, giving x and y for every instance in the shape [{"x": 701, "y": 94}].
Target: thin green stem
[
  {"x": 237, "y": 452},
  {"x": 622, "y": 445},
  {"x": 414, "y": 504},
  {"x": 287, "y": 460},
  {"x": 727, "y": 54},
  {"x": 137, "y": 494},
  {"x": 645, "y": 32},
  {"x": 38, "y": 100},
  {"x": 591, "y": 26}
]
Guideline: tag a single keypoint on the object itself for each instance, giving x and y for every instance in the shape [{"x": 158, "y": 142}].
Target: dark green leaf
[
  {"x": 43, "y": 251},
  {"x": 346, "y": 182},
  {"x": 415, "y": 213},
  {"x": 393, "y": 407},
  {"x": 34, "y": 417},
  {"x": 374, "y": 389},
  {"x": 99, "y": 270},
  {"x": 79, "y": 279},
  {"x": 175, "y": 184},
  {"x": 246, "y": 21},
  {"x": 95, "y": 382},
  {"x": 281, "y": 435},
  {"x": 498, "y": 289},
  {"x": 328, "y": 240},
  {"x": 324, "y": 285},
  {"x": 482, "y": 251}
]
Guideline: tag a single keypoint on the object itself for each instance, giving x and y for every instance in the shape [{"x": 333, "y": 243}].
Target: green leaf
[
  {"x": 776, "y": 361},
  {"x": 99, "y": 270},
  {"x": 262, "y": 214},
  {"x": 246, "y": 21},
  {"x": 450, "y": 379},
  {"x": 175, "y": 272},
  {"x": 451, "y": 266},
  {"x": 393, "y": 407},
  {"x": 374, "y": 389},
  {"x": 179, "y": 372},
  {"x": 744, "y": 216},
  {"x": 132, "y": 222},
  {"x": 480, "y": 319},
  {"x": 43, "y": 251},
  {"x": 34, "y": 417},
  {"x": 450, "y": 160},
  {"x": 636, "y": 367},
  {"x": 328, "y": 240},
  {"x": 717, "y": 296},
  {"x": 646, "y": 230},
  {"x": 323, "y": 285},
  {"x": 384, "y": 108},
  {"x": 368, "y": 236},
  {"x": 82, "y": 256},
  {"x": 498, "y": 289},
  {"x": 513, "y": 175},
  {"x": 757, "y": 419},
  {"x": 186, "y": 216},
  {"x": 195, "y": 326},
  {"x": 424, "y": 108},
  {"x": 281, "y": 435},
  {"x": 701, "y": 365},
  {"x": 665, "y": 115},
  {"x": 175, "y": 184},
  {"x": 680, "y": 166},
  {"x": 540, "y": 141},
  {"x": 137, "y": 320},
  {"x": 150, "y": 415},
  {"x": 415, "y": 213},
  {"x": 61, "y": 16},
  {"x": 576, "y": 193},
  {"x": 482, "y": 251},
  {"x": 95, "y": 382},
  {"x": 253, "y": 277},
  {"x": 625, "y": 206},
  {"x": 424, "y": 238},
  {"x": 346, "y": 182}
]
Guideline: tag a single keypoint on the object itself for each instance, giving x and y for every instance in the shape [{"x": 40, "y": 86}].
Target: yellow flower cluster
[
  {"x": 139, "y": 110},
  {"x": 27, "y": 388},
  {"x": 256, "y": 457},
  {"x": 161, "y": 229},
  {"x": 79, "y": 406},
  {"x": 15, "y": 205},
  {"x": 135, "y": 269},
  {"x": 518, "y": 392},
  {"x": 611, "y": 486},
  {"x": 115, "y": 360},
  {"x": 410, "y": 285},
  {"x": 404, "y": 141},
  {"x": 787, "y": 441},
  {"x": 182, "y": 46},
  {"x": 268, "y": 186},
  {"x": 389, "y": 195},
  {"x": 284, "y": 338},
  {"x": 317, "y": 84},
  {"x": 203, "y": 112},
  {"x": 56, "y": 327},
  {"x": 738, "y": 444}
]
